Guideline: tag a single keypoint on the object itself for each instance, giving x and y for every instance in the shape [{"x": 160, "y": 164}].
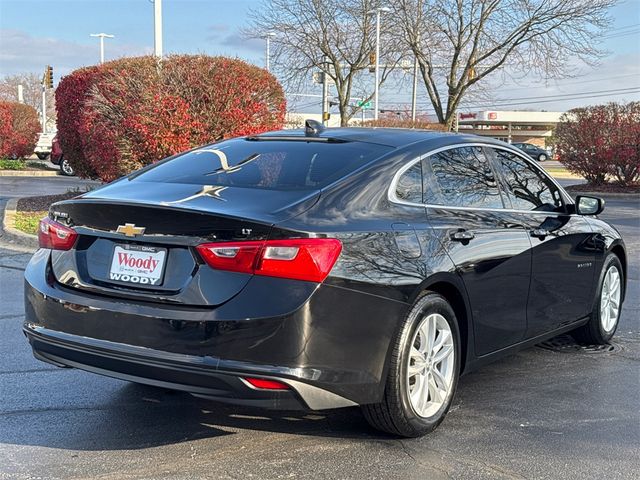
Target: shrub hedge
[
  {"x": 601, "y": 143},
  {"x": 19, "y": 127},
  {"x": 399, "y": 122},
  {"x": 123, "y": 115}
]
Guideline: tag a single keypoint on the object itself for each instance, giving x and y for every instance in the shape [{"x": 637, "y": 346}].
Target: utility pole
[
  {"x": 414, "y": 93},
  {"x": 44, "y": 109},
  {"x": 47, "y": 82},
  {"x": 101, "y": 36},
  {"x": 20, "y": 94},
  {"x": 267, "y": 53},
  {"x": 325, "y": 92},
  {"x": 377, "y": 12},
  {"x": 157, "y": 28}
]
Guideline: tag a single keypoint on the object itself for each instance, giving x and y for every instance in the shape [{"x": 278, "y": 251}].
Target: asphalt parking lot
[{"x": 544, "y": 413}]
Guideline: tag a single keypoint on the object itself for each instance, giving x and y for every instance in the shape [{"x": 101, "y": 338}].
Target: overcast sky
[{"x": 34, "y": 33}]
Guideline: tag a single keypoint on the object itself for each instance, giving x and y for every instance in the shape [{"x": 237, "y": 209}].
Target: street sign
[
  {"x": 365, "y": 105},
  {"x": 319, "y": 77}
]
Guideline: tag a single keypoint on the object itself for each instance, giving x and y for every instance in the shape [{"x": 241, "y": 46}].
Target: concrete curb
[
  {"x": 565, "y": 177},
  {"x": 607, "y": 194},
  {"x": 632, "y": 195},
  {"x": 11, "y": 234},
  {"x": 29, "y": 173}
]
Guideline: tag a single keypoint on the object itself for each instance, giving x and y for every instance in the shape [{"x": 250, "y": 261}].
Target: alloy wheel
[
  {"x": 66, "y": 168},
  {"x": 610, "y": 299},
  {"x": 431, "y": 362}
]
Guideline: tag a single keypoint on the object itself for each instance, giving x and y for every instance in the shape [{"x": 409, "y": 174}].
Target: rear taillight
[
  {"x": 56, "y": 236},
  {"x": 265, "y": 384},
  {"x": 309, "y": 259}
]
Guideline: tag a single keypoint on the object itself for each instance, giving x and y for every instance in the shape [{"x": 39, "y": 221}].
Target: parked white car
[{"x": 43, "y": 147}]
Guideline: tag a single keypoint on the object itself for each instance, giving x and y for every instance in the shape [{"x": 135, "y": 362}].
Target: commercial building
[{"x": 510, "y": 126}]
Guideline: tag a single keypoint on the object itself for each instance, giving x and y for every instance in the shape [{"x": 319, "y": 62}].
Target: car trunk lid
[{"x": 138, "y": 240}]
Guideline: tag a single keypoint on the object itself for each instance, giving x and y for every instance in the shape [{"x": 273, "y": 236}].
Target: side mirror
[{"x": 589, "y": 205}]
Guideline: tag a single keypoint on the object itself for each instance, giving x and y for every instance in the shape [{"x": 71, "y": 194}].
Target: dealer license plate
[{"x": 137, "y": 264}]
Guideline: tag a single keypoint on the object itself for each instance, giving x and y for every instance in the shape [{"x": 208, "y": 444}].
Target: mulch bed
[
  {"x": 42, "y": 203},
  {"x": 606, "y": 188}
]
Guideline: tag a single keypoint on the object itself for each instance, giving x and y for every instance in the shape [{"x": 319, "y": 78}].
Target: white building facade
[{"x": 510, "y": 126}]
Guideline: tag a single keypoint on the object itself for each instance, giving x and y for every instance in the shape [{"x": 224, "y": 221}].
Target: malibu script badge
[{"x": 137, "y": 264}]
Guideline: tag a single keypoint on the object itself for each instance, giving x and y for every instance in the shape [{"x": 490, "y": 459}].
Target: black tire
[
  {"x": 42, "y": 156},
  {"x": 542, "y": 157},
  {"x": 394, "y": 414},
  {"x": 593, "y": 332},
  {"x": 66, "y": 168}
]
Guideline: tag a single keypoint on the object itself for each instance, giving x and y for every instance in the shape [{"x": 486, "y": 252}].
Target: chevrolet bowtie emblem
[{"x": 130, "y": 229}]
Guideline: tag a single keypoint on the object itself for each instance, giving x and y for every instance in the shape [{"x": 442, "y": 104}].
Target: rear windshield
[{"x": 270, "y": 164}]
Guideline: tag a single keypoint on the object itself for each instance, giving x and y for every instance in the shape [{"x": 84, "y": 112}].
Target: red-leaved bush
[
  {"x": 123, "y": 115},
  {"x": 19, "y": 127},
  {"x": 601, "y": 142}
]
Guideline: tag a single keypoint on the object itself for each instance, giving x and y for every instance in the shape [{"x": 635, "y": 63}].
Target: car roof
[{"x": 392, "y": 137}]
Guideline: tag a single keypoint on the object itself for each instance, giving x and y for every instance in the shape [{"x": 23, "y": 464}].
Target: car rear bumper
[
  {"x": 200, "y": 376},
  {"x": 331, "y": 349}
]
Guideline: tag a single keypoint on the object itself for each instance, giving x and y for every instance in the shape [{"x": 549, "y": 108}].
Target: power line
[
  {"x": 305, "y": 105},
  {"x": 557, "y": 84},
  {"x": 633, "y": 25},
  {"x": 564, "y": 95},
  {"x": 548, "y": 101},
  {"x": 559, "y": 97},
  {"x": 622, "y": 34}
]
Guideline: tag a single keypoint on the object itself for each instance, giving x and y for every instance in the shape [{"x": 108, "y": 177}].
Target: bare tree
[
  {"x": 32, "y": 91},
  {"x": 458, "y": 43},
  {"x": 343, "y": 31}
]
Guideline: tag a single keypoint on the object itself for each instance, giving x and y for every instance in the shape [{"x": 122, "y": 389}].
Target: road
[
  {"x": 541, "y": 413},
  {"x": 22, "y": 186}
]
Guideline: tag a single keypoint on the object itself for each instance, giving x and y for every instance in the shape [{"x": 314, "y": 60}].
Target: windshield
[{"x": 272, "y": 164}]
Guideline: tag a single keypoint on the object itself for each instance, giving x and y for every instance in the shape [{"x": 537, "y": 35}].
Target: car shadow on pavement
[{"x": 139, "y": 416}]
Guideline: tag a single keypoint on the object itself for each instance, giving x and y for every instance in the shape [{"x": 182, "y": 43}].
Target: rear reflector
[
  {"x": 54, "y": 235},
  {"x": 265, "y": 384},
  {"x": 309, "y": 259}
]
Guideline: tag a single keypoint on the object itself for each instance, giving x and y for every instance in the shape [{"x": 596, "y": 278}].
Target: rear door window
[
  {"x": 460, "y": 177},
  {"x": 265, "y": 164},
  {"x": 526, "y": 187}
]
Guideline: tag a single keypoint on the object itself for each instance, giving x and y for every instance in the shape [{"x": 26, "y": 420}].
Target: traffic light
[
  {"x": 326, "y": 116},
  {"x": 48, "y": 77},
  {"x": 372, "y": 62}
]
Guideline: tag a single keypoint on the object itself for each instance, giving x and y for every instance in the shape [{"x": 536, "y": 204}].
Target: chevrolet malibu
[{"x": 323, "y": 268}]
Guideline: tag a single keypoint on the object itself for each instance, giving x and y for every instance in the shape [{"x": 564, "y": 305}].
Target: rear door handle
[
  {"x": 540, "y": 233},
  {"x": 462, "y": 236}
]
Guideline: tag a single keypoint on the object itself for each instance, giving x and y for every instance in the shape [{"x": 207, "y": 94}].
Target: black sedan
[
  {"x": 318, "y": 269},
  {"x": 535, "y": 152}
]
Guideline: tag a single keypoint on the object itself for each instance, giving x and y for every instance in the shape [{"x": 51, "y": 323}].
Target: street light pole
[
  {"x": 101, "y": 36},
  {"x": 267, "y": 54},
  {"x": 377, "y": 12},
  {"x": 157, "y": 28}
]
